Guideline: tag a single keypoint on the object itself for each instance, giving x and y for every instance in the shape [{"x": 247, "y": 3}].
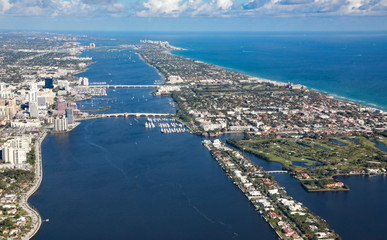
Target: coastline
[
  {"x": 327, "y": 93},
  {"x": 336, "y": 97},
  {"x": 358, "y": 103},
  {"x": 163, "y": 78},
  {"x": 239, "y": 170},
  {"x": 35, "y": 216},
  {"x": 37, "y": 184}
]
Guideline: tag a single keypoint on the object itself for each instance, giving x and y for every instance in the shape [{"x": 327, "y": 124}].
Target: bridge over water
[
  {"x": 277, "y": 171},
  {"x": 128, "y": 114},
  {"x": 123, "y": 86},
  {"x": 134, "y": 114}
]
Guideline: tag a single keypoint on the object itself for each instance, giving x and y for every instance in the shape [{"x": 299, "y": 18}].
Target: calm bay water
[
  {"x": 115, "y": 179},
  {"x": 357, "y": 214},
  {"x": 348, "y": 65}
]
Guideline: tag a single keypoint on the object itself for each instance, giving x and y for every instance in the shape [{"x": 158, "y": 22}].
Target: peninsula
[{"x": 314, "y": 136}]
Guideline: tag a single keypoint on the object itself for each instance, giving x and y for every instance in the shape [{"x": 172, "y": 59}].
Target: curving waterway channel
[{"x": 116, "y": 179}]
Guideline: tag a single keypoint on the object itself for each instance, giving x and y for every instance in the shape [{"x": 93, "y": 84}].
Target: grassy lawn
[{"x": 340, "y": 153}]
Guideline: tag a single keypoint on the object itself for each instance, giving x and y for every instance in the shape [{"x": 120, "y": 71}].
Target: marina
[
  {"x": 166, "y": 125},
  {"x": 128, "y": 181}
]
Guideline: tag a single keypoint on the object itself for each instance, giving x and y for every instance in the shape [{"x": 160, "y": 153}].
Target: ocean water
[
  {"x": 115, "y": 179},
  {"x": 353, "y": 66},
  {"x": 347, "y": 65}
]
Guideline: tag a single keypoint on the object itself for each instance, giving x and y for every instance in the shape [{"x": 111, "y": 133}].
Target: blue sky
[{"x": 194, "y": 15}]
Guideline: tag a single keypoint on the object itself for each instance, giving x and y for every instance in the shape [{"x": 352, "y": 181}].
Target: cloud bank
[
  {"x": 175, "y": 8},
  {"x": 193, "y": 8},
  {"x": 56, "y": 8}
]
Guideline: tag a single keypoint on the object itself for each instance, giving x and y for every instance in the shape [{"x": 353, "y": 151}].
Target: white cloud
[
  {"x": 73, "y": 7},
  {"x": 162, "y": 7},
  {"x": 223, "y": 4},
  {"x": 177, "y": 8},
  {"x": 316, "y": 7},
  {"x": 5, "y": 5},
  {"x": 174, "y": 8},
  {"x": 56, "y": 8}
]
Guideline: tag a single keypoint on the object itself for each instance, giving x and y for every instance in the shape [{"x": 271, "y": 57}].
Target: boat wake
[
  {"x": 105, "y": 151},
  {"x": 229, "y": 227}
]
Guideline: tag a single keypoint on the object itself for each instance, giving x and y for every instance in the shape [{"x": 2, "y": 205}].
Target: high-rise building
[
  {"x": 64, "y": 84},
  {"x": 60, "y": 124},
  {"x": 15, "y": 150},
  {"x": 61, "y": 106},
  {"x": 34, "y": 112},
  {"x": 42, "y": 102},
  {"x": 8, "y": 108},
  {"x": 84, "y": 81},
  {"x": 48, "y": 83},
  {"x": 48, "y": 94},
  {"x": 5, "y": 92},
  {"x": 73, "y": 105},
  {"x": 32, "y": 95},
  {"x": 70, "y": 115},
  {"x": 14, "y": 155}
]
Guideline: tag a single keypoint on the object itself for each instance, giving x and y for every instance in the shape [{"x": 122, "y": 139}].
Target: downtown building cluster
[{"x": 37, "y": 94}]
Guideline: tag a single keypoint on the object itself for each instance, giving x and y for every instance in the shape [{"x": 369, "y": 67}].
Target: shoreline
[
  {"x": 163, "y": 78},
  {"x": 280, "y": 83},
  {"x": 330, "y": 94},
  {"x": 259, "y": 201},
  {"x": 35, "y": 216},
  {"x": 38, "y": 168}
]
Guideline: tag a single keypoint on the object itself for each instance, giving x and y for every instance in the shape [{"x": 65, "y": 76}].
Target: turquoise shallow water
[
  {"x": 348, "y": 65},
  {"x": 114, "y": 179},
  {"x": 352, "y": 66}
]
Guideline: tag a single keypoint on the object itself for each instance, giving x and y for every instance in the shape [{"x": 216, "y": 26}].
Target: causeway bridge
[
  {"x": 123, "y": 86},
  {"x": 128, "y": 114},
  {"x": 278, "y": 171}
]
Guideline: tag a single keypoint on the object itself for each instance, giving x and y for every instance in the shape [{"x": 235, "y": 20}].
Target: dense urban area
[
  {"x": 313, "y": 135},
  {"x": 38, "y": 94}
]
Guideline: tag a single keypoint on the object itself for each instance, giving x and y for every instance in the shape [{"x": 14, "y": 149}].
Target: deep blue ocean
[
  {"x": 116, "y": 179},
  {"x": 350, "y": 65}
]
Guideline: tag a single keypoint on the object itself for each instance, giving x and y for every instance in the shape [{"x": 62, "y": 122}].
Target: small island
[
  {"x": 288, "y": 218},
  {"x": 317, "y": 162},
  {"x": 314, "y": 136}
]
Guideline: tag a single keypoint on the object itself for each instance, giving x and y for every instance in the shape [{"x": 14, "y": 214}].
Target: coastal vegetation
[
  {"x": 96, "y": 109},
  {"x": 313, "y": 136},
  {"x": 317, "y": 161},
  {"x": 15, "y": 220},
  {"x": 31, "y": 157},
  {"x": 288, "y": 218}
]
